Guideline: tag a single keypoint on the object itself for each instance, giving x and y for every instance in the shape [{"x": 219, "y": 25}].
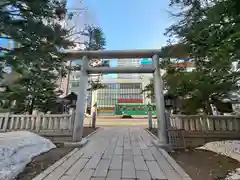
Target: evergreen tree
[
  {"x": 96, "y": 41},
  {"x": 35, "y": 27},
  {"x": 210, "y": 31}
]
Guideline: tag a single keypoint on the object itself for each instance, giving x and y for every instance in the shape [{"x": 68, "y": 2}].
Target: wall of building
[
  {"x": 115, "y": 93},
  {"x": 121, "y": 88}
]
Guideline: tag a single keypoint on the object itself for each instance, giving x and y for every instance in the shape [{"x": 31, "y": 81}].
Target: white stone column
[
  {"x": 81, "y": 101},
  {"x": 160, "y": 105}
]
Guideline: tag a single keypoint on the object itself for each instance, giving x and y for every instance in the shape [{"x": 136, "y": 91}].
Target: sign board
[
  {"x": 146, "y": 61},
  {"x": 128, "y": 76},
  {"x": 130, "y": 100}
]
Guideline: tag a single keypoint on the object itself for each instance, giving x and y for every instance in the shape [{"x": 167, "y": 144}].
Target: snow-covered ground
[
  {"x": 17, "y": 149},
  {"x": 227, "y": 148}
]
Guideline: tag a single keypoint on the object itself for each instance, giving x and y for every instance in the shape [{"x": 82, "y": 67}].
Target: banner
[{"x": 137, "y": 101}]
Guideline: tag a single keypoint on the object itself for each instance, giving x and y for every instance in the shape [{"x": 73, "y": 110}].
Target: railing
[
  {"x": 37, "y": 123},
  {"x": 205, "y": 123}
]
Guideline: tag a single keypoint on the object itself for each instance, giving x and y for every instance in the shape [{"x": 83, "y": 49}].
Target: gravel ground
[
  {"x": 202, "y": 164},
  {"x": 205, "y": 165}
]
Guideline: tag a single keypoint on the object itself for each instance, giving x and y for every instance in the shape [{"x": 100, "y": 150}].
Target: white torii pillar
[
  {"x": 160, "y": 104},
  {"x": 81, "y": 101}
]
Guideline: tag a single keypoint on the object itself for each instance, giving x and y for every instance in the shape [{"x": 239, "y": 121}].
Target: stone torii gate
[{"x": 119, "y": 54}]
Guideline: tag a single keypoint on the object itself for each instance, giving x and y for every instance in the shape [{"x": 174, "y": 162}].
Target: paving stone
[
  {"x": 77, "y": 167},
  {"x": 140, "y": 163},
  {"x": 142, "y": 145},
  {"x": 118, "y": 150},
  {"x": 147, "y": 155},
  {"x": 114, "y": 175},
  {"x": 128, "y": 170},
  {"x": 143, "y": 175},
  {"x": 175, "y": 165},
  {"x": 93, "y": 162},
  {"x": 85, "y": 174},
  {"x": 102, "y": 168},
  {"x": 134, "y": 143},
  {"x": 55, "y": 165},
  {"x": 136, "y": 150},
  {"x": 107, "y": 156},
  {"x": 128, "y": 155},
  {"x": 116, "y": 163},
  {"x": 127, "y": 146},
  {"x": 116, "y": 154},
  {"x": 120, "y": 142},
  {"x": 59, "y": 171},
  {"x": 68, "y": 177},
  {"x": 148, "y": 143},
  {"x": 114, "y": 140},
  {"x": 89, "y": 150},
  {"x": 155, "y": 171},
  {"x": 109, "y": 152},
  {"x": 168, "y": 170}
]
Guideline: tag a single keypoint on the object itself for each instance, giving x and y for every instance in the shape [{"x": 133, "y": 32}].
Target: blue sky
[
  {"x": 131, "y": 24},
  {"x": 4, "y": 42}
]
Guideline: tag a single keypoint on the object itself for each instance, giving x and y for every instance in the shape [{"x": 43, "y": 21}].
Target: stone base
[
  {"x": 79, "y": 144},
  {"x": 159, "y": 144}
]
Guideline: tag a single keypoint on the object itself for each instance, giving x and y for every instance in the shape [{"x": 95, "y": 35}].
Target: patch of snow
[
  {"x": 228, "y": 148},
  {"x": 17, "y": 149},
  {"x": 233, "y": 175}
]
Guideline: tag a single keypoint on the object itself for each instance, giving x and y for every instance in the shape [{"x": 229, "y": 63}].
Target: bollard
[
  {"x": 94, "y": 119},
  {"x": 150, "y": 119}
]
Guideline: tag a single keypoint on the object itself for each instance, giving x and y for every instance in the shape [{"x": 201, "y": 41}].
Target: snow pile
[
  {"x": 17, "y": 149},
  {"x": 235, "y": 175},
  {"x": 227, "y": 148}
]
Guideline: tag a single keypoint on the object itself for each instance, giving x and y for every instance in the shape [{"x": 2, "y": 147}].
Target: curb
[
  {"x": 171, "y": 161},
  {"x": 91, "y": 134},
  {"x": 52, "y": 167},
  {"x": 78, "y": 144},
  {"x": 175, "y": 165},
  {"x": 151, "y": 134},
  {"x": 155, "y": 142},
  {"x": 42, "y": 175}
]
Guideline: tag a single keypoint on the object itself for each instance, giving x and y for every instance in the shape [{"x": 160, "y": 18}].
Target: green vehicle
[{"x": 133, "y": 109}]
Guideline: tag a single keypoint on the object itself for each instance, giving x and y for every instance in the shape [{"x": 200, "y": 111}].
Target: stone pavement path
[
  {"x": 116, "y": 154},
  {"x": 119, "y": 122}
]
